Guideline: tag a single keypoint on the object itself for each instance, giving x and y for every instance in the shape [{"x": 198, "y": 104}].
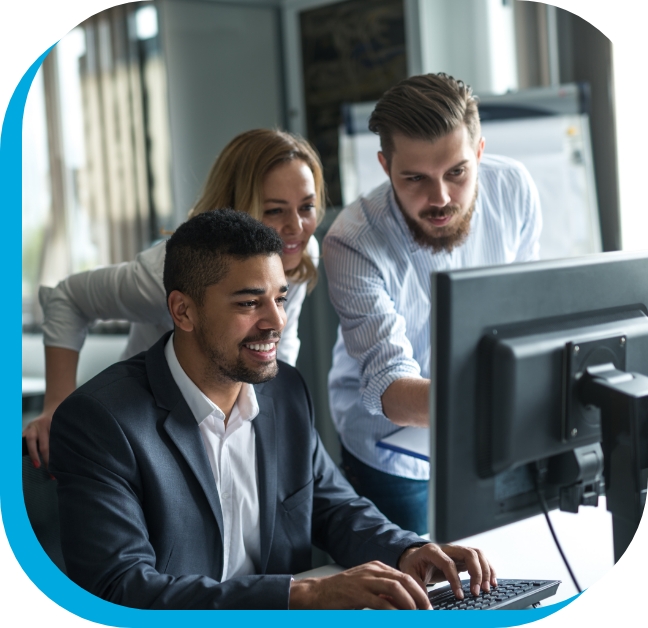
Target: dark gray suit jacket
[{"x": 141, "y": 521}]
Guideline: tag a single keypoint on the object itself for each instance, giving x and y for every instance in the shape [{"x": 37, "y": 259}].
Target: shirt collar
[{"x": 199, "y": 404}]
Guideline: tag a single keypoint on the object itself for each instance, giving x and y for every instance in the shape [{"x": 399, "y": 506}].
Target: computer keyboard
[{"x": 508, "y": 595}]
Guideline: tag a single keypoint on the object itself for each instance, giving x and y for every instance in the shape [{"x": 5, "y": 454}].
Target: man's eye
[
  {"x": 415, "y": 179},
  {"x": 457, "y": 172},
  {"x": 247, "y": 303}
]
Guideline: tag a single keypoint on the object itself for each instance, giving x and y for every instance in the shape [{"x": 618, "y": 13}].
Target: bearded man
[{"x": 447, "y": 205}]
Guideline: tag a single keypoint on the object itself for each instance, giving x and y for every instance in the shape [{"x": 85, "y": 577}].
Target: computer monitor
[{"x": 540, "y": 376}]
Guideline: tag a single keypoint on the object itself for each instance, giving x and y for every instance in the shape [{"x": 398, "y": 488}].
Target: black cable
[{"x": 555, "y": 538}]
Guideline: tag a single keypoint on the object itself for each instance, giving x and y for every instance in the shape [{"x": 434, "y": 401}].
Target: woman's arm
[
  {"x": 131, "y": 291},
  {"x": 60, "y": 381}
]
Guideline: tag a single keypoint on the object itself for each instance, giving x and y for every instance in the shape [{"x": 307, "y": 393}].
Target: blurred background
[{"x": 130, "y": 109}]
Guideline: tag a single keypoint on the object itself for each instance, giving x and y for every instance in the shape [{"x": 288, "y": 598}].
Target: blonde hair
[{"x": 236, "y": 180}]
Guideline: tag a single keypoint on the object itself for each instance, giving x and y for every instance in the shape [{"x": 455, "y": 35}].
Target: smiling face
[
  {"x": 289, "y": 208},
  {"x": 435, "y": 184},
  {"x": 239, "y": 324}
]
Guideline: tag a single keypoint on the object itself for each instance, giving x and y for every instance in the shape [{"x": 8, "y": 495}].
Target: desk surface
[
  {"x": 319, "y": 572},
  {"x": 526, "y": 549}
]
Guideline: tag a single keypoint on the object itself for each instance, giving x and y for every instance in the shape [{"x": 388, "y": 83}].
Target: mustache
[
  {"x": 438, "y": 212},
  {"x": 270, "y": 335}
]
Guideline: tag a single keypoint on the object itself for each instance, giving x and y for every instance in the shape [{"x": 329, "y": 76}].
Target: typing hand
[
  {"x": 435, "y": 563},
  {"x": 373, "y": 585},
  {"x": 37, "y": 435}
]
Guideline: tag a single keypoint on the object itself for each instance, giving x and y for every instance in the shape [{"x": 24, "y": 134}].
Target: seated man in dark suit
[{"x": 191, "y": 476}]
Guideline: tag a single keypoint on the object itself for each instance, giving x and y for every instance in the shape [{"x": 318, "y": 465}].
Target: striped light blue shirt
[{"x": 379, "y": 283}]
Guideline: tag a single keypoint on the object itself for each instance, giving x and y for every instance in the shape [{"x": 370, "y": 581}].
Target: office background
[
  {"x": 131, "y": 108},
  {"x": 624, "y": 33}
]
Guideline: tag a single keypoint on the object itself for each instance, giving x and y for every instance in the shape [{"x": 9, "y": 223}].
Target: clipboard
[{"x": 411, "y": 441}]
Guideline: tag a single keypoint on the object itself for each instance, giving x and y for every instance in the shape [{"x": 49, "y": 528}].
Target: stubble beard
[
  {"x": 219, "y": 369},
  {"x": 445, "y": 242}
]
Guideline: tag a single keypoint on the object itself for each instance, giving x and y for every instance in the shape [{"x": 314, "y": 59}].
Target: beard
[
  {"x": 237, "y": 370},
  {"x": 446, "y": 240}
]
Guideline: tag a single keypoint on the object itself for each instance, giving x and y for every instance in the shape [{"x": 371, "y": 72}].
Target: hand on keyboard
[
  {"x": 378, "y": 586},
  {"x": 433, "y": 563},
  {"x": 372, "y": 585}
]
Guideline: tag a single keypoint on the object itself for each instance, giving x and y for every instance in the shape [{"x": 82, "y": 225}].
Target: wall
[
  {"x": 224, "y": 75},
  {"x": 473, "y": 40}
]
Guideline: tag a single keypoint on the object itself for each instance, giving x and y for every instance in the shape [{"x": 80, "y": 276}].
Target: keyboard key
[{"x": 509, "y": 593}]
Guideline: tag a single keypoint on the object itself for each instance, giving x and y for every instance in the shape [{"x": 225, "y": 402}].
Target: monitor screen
[{"x": 512, "y": 348}]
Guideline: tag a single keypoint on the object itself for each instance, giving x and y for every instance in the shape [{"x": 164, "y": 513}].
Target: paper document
[{"x": 412, "y": 441}]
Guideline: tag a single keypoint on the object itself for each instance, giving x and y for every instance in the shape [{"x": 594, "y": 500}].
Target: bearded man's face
[{"x": 435, "y": 185}]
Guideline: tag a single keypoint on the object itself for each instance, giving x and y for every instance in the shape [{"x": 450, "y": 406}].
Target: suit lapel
[
  {"x": 183, "y": 430},
  {"x": 181, "y": 425},
  {"x": 266, "y": 451}
]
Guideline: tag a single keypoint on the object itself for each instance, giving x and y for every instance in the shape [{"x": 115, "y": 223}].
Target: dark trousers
[{"x": 401, "y": 500}]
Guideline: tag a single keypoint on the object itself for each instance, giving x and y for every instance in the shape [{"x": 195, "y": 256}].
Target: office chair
[{"x": 41, "y": 503}]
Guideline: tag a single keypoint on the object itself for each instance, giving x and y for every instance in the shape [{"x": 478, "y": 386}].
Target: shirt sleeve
[
  {"x": 289, "y": 346},
  {"x": 132, "y": 291},
  {"x": 529, "y": 249},
  {"x": 374, "y": 331}
]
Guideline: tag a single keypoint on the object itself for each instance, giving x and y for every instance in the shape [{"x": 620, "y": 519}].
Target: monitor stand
[{"x": 622, "y": 398}]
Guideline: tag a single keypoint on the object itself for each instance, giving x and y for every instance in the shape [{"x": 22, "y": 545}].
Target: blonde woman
[{"x": 274, "y": 176}]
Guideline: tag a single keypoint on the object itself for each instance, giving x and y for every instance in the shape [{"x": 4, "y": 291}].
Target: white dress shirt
[
  {"x": 379, "y": 283},
  {"x": 232, "y": 456}
]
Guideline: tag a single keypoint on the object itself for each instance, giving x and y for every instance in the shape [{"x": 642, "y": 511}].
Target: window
[{"x": 96, "y": 151}]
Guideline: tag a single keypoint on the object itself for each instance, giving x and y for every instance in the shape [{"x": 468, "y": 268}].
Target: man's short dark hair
[
  {"x": 426, "y": 107},
  {"x": 198, "y": 253}
]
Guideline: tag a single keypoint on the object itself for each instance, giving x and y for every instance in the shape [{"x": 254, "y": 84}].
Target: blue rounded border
[{"x": 26, "y": 548}]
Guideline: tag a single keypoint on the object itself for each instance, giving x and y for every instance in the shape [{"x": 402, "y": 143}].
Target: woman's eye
[
  {"x": 308, "y": 208},
  {"x": 282, "y": 301},
  {"x": 272, "y": 212}
]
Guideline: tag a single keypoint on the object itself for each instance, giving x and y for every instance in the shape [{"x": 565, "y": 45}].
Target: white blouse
[{"x": 134, "y": 291}]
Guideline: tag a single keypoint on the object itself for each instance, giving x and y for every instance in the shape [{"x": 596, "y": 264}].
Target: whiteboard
[
  {"x": 360, "y": 170},
  {"x": 556, "y": 151}
]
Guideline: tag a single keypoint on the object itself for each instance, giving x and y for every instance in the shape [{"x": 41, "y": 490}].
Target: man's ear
[
  {"x": 383, "y": 162},
  {"x": 480, "y": 148},
  {"x": 182, "y": 309}
]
